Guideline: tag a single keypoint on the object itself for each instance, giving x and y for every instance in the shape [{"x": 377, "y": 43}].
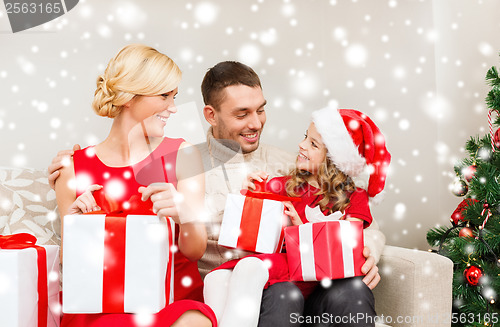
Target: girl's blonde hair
[
  {"x": 135, "y": 70},
  {"x": 333, "y": 186}
]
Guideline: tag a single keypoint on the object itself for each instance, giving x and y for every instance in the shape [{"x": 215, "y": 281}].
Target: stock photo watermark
[
  {"x": 26, "y": 14},
  {"x": 430, "y": 319}
]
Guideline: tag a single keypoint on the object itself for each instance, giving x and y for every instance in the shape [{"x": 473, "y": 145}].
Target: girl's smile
[{"x": 312, "y": 151}]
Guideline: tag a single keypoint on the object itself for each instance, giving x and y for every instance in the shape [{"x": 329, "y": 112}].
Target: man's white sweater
[{"x": 225, "y": 172}]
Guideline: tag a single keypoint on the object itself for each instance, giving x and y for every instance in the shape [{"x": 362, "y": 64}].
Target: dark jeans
[
  {"x": 346, "y": 303},
  {"x": 280, "y": 302}
]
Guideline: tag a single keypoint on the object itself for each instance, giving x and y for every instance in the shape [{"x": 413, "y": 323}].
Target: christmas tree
[{"x": 472, "y": 241}]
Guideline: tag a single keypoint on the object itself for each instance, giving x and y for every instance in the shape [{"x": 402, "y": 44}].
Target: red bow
[
  {"x": 134, "y": 205},
  {"x": 261, "y": 193},
  {"x": 25, "y": 241}
]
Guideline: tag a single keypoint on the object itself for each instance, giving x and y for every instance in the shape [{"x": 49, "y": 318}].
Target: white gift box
[
  {"x": 252, "y": 224},
  {"x": 148, "y": 261},
  {"x": 18, "y": 287}
]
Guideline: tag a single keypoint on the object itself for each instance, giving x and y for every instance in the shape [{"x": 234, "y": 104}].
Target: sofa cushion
[{"x": 28, "y": 205}]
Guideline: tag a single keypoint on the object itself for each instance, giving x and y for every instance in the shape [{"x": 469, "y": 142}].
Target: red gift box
[{"x": 332, "y": 249}]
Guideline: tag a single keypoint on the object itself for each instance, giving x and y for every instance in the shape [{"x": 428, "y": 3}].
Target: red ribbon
[
  {"x": 114, "y": 265},
  {"x": 134, "y": 205},
  {"x": 250, "y": 222},
  {"x": 25, "y": 241},
  {"x": 114, "y": 247},
  {"x": 269, "y": 196},
  {"x": 261, "y": 193}
]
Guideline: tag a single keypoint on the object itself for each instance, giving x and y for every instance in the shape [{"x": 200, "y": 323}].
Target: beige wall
[{"x": 416, "y": 67}]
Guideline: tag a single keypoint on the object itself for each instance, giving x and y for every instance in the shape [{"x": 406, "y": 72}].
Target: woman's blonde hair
[
  {"x": 136, "y": 70},
  {"x": 333, "y": 186}
]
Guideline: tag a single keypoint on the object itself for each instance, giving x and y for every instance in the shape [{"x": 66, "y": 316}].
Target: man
[{"x": 235, "y": 109}]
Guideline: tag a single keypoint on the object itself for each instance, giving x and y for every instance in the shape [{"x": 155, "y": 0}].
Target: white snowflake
[
  {"x": 249, "y": 54},
  {"x": 399, "y": 211},
  {"x": 356, "y": 55},
  {"x": 206, "y": 13}
]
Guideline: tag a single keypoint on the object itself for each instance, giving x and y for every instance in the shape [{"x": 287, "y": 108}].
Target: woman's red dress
[{"x": 120, "y": 184}]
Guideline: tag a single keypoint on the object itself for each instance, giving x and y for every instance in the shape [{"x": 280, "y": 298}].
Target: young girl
[
  {"x": 136, "y": 161},
  {"x": 341, "y": 163}
]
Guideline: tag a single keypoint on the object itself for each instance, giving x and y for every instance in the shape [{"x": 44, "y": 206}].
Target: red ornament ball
[
  {"x": 469, "y": 172},
  {"x": 496, "y": 139},
  {"x": 466, "y": 232},
  {"x": 472, "y": 274},
  {"x": 456, "y": 217}
]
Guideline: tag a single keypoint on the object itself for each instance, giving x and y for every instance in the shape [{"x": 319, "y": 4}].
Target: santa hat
[{"x": 355, "y": 145}]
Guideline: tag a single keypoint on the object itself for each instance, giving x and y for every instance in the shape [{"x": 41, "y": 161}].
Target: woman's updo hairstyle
[{"x": 135, "y": 70}]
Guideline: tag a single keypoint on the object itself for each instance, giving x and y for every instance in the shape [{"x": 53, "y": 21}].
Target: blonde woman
[{"x": 137, "y": 91}]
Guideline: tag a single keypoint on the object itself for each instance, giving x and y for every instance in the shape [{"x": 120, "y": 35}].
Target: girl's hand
[
  {"x": 259, "y": 176},
  {"x": 165, "y": 199},
  {"x": 85, "y": 202},
  {"x": 292, "y": 213}
]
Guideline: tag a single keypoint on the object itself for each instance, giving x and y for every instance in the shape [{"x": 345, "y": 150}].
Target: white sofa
[{"x": 415, "y": 290}]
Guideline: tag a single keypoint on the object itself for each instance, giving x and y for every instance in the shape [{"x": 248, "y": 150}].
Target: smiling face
[
  {"x": 153, "y": 111},
  {"x": 312, "y": 151},
  {"x": 240, "y": 117}
]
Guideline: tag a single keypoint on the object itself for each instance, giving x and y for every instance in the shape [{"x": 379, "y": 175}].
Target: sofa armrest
[
  {"x": 415, "y": 289},
  {"x": 28, "y": 205}
]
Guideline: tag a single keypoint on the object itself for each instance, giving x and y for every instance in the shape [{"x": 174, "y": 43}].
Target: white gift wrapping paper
[
  {"x": 270, "y": 229},
  {"x": 146, "y": 259},
  {"x": 18, "y": 287}
]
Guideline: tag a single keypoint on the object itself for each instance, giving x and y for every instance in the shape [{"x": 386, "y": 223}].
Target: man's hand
[
  {"x": 61, "y": 160},
  {"x": 249, "y": 183},
  {"x": 165, "y": 199},
  {"x": 370, "y": 270}
]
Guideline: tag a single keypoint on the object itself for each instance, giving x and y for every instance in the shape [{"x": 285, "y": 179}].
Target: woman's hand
[
  {"x": 85, "y": 202},
  {"x": 292, "y": 213},
  {"x": 259, "y": 176},
  {"x": 166, "y": 200},
  {"x": 184, "y": 203}
]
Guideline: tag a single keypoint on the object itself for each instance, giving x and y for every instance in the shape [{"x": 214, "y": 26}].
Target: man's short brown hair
[{"x": 222, "y": 75}]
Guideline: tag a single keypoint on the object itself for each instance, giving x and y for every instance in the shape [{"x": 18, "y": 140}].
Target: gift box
[
  {"x": 116, "y": 263},
  {"x": 332, "y": 249},
  {"x": 29, "y": 282},
  {"x": 252, "y": 224}
]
